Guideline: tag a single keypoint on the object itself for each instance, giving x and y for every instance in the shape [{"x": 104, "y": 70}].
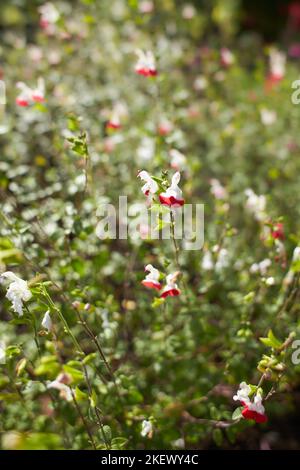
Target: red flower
[{"x": 254, "y": 415}]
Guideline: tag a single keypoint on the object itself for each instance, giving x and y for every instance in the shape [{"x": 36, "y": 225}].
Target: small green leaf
[{"x": 237, "y": 414}]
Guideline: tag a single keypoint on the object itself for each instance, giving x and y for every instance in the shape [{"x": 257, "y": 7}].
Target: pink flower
[
  {"x": 29, "y": 95},
  {"x": 152, "y": 279},
  {"x": 146, "y": 64},
  {"x": 150, "y": 186},
  {"x": 173, "y": 195},
  {"x": 171, "y": 288}
]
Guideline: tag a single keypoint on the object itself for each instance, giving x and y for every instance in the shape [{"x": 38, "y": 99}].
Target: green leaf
[
  {"x": 118, "y": 443},
  {"x": 271, "y": 341},
  {"x": 77, "y": 375},
  {"x": 79, "y": 395}
]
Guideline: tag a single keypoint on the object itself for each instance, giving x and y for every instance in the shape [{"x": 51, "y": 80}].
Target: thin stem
[
  {"x": 97, "y": 411},
  {"x": 83, "y": 420},
  {"x": 34, "y": 330}
]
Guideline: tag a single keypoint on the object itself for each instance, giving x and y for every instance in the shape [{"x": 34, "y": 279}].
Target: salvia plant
[{"x": 139, "y": 342}]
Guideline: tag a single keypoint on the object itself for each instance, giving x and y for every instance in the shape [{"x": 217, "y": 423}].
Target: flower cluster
[
  {"x": 29, "y": 95},
  {"x": 152, "y": 282}
]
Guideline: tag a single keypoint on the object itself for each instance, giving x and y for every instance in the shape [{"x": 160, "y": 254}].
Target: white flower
[
  {"x": 145, "y": 151},
  {"x": 17, "y": 292},
  {"x": 256, "y": 204},
  {"x": 270, "y": 281},
  {"x": 243, "y": 393},
  {"x": 261, "y": 267},
  {"x": 296, "y": 254},
  {"x": 268, "y": 117},
  {"x": 200, "y": 83},
  {"x": 171, "y": 288},
  {"x": 151, "y": 186},
  {"x": 60, "y": 384},
  {"x": 223, "y": 260},
  {"x": 2, "y": 352},
  {"x": 47, "y": 322},
  {"x": 147, "y": 429},
  {"x": 49, "y": 13}
]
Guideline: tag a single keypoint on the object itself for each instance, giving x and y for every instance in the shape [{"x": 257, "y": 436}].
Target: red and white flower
[
  {"x": 152, "y": 279},
  {"x": 49, "y": 16},
  {"x": 150, "y": 186},
  {"x": 171, "y": 288},
  {"x": 268, "y": 117},
  {"x": 256, "y": 204},
  {"x": 114, "y": 123},
  {"x": 253, "y": 410},
  {"x": 165, "y": 127},
  {"x": 173, "y": 195},
  {"x": 178, "y": 159},
  {"x": 277, "y": 68},
  {"x": 146, "y": 64},
  {"x": 29, "y": 95}
]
